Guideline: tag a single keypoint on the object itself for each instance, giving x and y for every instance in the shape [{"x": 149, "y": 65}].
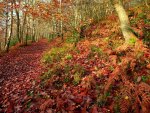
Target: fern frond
[
  {"x": 144, "y": 96},
  {"x": 113, "y": 77}
]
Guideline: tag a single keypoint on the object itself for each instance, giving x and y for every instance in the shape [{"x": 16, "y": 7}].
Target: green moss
[
  {"x": 66, "y": 79},
  {"x": 56, "y": 54},
  {"x": 144, "y": 78},
  {"x": 134, "y": 21},
  {"x": 95, "y": 50},
  {"x": 147, "y": 21},
  {"x": 71, "y": 40},
  {"x": 74, "y": 38},
  {"x": 132, "y": 41},
  {"x": 79, "y": 69},
  {"x": 111, "y": 68},
  {"x": 68, "y": 57},
  {"x": 107, "y": 94},
  {"x": 106, "y": 39},
  {"x": 13, "y": 42},
  {"x": 67, "y": 69},
  {"x": 142, "y": 16},
  {"x": 47, "y": 75},
  {"x": 76, "y": 79}
]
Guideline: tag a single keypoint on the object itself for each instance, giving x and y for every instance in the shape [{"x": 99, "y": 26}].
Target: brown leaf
[
  {"x": 94, "y": 109},
  {"x": 148, "y": 66},
  {"x": 46, "y": 104},
  {"x": 84, "y": 108},
  {"x": 71, "y": 108},
  {"x": 113, "y": 59},
  {"x": 10, "y": 108},
  {"x": 78, "y": 100},
  {"x": 60, "y": 102}
]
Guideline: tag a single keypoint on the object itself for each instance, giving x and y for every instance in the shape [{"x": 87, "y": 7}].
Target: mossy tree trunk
[
  {"x": 146, "y": 3},
  {"x": 124, "y": 21}
]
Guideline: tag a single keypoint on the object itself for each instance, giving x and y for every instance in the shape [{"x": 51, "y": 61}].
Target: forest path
[{"x": 18, "y": 70}]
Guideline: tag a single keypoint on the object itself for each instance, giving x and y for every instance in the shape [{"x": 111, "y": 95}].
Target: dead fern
[
  {"x": 113, "y": 77},
  {"x": 118, "y": 73},
  {"x": 125, "y": 102},
  {"x": 144, "y": 97},
  {"x": 134, "y": 97},
  {"x": 128, "y": 101}
]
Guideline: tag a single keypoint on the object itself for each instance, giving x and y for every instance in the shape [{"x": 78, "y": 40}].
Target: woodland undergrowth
[
  {"x": 99, "y": 74},
  {"x": 101, "y": 79}
]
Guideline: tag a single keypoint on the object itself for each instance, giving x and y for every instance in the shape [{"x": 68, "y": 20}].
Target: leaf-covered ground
[
  {"x": 18, "y": 70},
  {"x": 93, "y": 77}
]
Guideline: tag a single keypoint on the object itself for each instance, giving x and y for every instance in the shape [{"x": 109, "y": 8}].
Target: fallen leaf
[
  {"x": 46, "y": 104},
  {"x": 148, "y": 66},
  {"x": 94, "y": 109}
]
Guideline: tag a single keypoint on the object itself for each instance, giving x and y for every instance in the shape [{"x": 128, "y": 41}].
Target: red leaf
[
  {"x": 94, "y": 109},
  {"x": 10, "y": 108},
  {"x": 71, "y": 108},
  {"x": 78, "y": 100},
  {"x": 84, "y": 109},
  {"x": 46, "y": 104}
]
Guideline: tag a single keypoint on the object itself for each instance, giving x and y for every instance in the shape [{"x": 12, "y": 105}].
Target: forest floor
[
  {"x": 18, "y": 70},
  {"x": 93, "y": 77}
]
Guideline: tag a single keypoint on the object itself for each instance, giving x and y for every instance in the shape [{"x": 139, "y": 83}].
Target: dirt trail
[{"x": 18, "y": 70}]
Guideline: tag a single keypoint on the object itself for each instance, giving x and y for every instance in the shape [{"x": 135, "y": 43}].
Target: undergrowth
[
  {"x": 120, "y": 83},
  {"x": 13, "y": 42},
  {"x": 56, "y": 54},
  {"x": 98, "y": 75}
]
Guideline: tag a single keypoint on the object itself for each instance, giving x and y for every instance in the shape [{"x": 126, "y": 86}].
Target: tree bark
[
  {"x": 33, "y": 30},
  {"x": 27, "y": 36},
  {"x": 146, "y": 3},
  {"x": 18, "y": 22},
  {"x": 61, "y": 22},
  {"x": 124, "y": 22},
  {"x": 11, "y": 30},
  {"x": 23, "y": 27},
  {"x": 6, "y": 33}
]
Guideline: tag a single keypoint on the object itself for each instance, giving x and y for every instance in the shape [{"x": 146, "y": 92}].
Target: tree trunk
[
  {"x": 6, "y": 33},
  {"x": 61, "y": 22},
  {"x": 18, "y": 23},
  {"x": 18, "y": 26},
  {"x": 11, "y": 30},
  {"x": 124, "y": 23},
  {"x": 27, "y": 36},
  {"x": 23, "y": 28},
  {"x": 146, "y": 3},
  {"x": 33, "y": 30}
]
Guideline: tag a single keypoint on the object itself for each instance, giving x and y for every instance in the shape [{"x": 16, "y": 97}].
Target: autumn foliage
[{"x": 75, "y": 62}]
